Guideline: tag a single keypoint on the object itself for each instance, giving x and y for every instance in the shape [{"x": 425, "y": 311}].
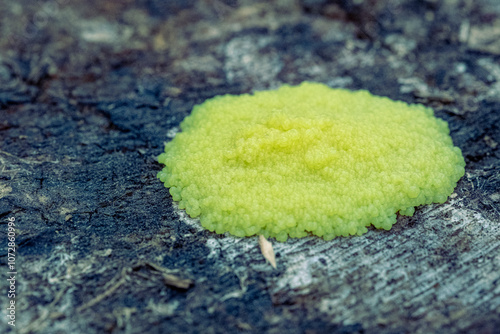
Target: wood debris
[
  {"x": 169, "y": 278},
  {"x": 177, "y": 282},
  {"x": 267, "y": 250}
]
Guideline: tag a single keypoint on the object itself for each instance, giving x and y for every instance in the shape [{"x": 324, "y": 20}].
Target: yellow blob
[{"x": 308, "y": 159}]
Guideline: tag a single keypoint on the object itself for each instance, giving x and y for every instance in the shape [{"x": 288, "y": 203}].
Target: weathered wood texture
[{"x": 90, "y": 90}]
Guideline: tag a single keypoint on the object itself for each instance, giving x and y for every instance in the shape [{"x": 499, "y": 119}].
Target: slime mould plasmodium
[{"x": 308, "y": 159}]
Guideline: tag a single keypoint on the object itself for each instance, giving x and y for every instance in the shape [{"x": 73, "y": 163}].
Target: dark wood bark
[{"x": 90, "y": 91}]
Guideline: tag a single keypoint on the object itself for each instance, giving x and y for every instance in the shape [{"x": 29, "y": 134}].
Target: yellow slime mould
[{"x": 308, "y": 159}]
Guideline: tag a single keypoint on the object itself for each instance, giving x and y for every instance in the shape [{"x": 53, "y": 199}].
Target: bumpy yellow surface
[{"x": 308, "y": 159}]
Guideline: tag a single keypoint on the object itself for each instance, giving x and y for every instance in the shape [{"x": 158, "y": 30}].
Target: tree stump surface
[{"x": 91, "y": 90}]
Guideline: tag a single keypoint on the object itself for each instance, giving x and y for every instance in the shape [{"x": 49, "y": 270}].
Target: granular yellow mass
[{"x": 308, "y": 159}]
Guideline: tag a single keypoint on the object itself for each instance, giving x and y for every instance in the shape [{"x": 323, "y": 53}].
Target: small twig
[
  {"x": 38, "y": 323},
  {"x": 168, "y": 277},
  {"x": 107, "y": 293}
]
